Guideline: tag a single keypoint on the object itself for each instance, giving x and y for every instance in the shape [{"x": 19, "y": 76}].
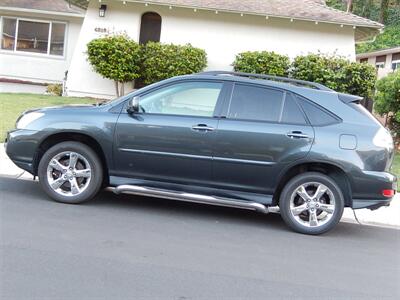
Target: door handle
[
  {"x": 297, "y": 135},
  {"x": 202, "y": 127}
]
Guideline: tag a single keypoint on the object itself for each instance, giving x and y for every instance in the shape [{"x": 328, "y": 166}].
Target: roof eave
[
  {"x": 45, "y": 12},
  {"x": 379, "y": 52},
  {"x": 376, "y": 25},
  {"x": 366, "y": 34}
]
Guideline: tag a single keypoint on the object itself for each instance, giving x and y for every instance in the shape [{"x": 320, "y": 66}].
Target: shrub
[
  {"x": 387, "y": 100},
  {"x": 262, "y": 62},
  {"x": 336, "y": 73},
  {"x": 115, "y": 57},
  {"x": 162, "y": 61},
  {"x": 54, "y": 89}
]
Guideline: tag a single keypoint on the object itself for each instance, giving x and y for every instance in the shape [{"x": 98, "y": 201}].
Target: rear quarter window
[{"x": 317, "y": 115}]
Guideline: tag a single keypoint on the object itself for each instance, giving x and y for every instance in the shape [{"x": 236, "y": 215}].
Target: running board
[{"x": 189, "y": 197}]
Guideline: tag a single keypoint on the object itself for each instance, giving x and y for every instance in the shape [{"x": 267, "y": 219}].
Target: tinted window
[
  {"x": 291, "y": 111},
  {"x": 255, "y": 103},
  {"x": 316, "y": 115},
  {"x": 189, "y": 98}
]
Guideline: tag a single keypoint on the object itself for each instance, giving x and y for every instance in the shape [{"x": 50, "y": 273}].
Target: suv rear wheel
[
  {"x": 70, "y": 172},
  {"x": 311, "y": 203}
]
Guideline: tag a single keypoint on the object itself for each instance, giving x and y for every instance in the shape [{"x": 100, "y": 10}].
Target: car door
[
  {"x": 171, "y": 138},
  {"x": 264, "y": 130}
]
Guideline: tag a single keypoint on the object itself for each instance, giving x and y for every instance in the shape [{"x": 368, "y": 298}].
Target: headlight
[
  {"x": 383, "y": 139},
  {"x": 28, "y": 118}
]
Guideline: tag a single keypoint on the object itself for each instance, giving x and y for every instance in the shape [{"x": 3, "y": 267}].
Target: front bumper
[
  {"x": 21, "y": 147},
  {"x": 369, "y": 188}
]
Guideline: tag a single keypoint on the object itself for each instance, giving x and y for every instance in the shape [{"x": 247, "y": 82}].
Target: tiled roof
[
  {"x": 60, "y": 6},
  {"x": 314, "y": 10}
]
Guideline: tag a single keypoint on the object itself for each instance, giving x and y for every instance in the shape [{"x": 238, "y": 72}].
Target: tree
[
  {"x": 384, "y": 11},
  {"x": 116, "y": 57}
]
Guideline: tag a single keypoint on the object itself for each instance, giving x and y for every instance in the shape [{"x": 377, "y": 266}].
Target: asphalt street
[{"x": 127, "y": 247}]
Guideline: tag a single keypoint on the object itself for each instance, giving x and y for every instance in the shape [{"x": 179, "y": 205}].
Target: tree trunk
[
  {"x": 122, "y": 89},
  {"x": 116, "y": 88},
  {"x": 384, "y": 11},
  {"x": 350, "y": 6},
  {"x": 367, "y": 9}
]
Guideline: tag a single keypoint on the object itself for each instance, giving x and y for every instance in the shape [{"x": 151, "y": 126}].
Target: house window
[
  {"x": 380, "y": 61},
  {"x": 396, "y": 61},
  {"x": 40, "y": 37},
  {"x": 363, "y": 60},
  {"x": 150, "y": 28}
]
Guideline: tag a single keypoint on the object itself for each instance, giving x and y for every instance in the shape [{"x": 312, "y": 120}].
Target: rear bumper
[
  {"x": 372, "y": 184},
  {"x": 370, "y": 204}
]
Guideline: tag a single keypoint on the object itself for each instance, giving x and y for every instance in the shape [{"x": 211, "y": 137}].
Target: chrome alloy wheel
[
  {"x": 312, "y": 204},
  {"x": 69, "y": 173}
]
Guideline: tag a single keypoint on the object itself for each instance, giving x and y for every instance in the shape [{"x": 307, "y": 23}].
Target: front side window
[
  {"x": 33, "y": 36},
  {"x": 255, "y": 103},
  {"x": 188, "y": 98}
]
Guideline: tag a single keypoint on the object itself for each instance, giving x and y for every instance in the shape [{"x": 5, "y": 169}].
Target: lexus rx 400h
[{"x": 255, "y": 142}]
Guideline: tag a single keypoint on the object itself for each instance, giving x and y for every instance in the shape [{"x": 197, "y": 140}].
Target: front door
[
  {"x": 171, "y": 138},
  {"x": 264, "y": 130}
]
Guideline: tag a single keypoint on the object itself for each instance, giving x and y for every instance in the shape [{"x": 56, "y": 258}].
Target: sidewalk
[{"x": 385, "y": 216}]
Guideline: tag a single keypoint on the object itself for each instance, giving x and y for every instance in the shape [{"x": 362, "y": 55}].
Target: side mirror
[{"x": 133, "y": 105}]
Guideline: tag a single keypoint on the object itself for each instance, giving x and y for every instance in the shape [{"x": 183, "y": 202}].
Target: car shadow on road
[{"x": 28, "y": 190}]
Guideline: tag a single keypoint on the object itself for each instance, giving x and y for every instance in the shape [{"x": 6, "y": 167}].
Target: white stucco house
[
  {"x": 222, "y": 28},
  {"x": 38, "y": 39}
]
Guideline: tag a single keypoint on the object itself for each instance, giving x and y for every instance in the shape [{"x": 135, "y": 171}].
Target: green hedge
[
  {"x": 162, "y": 61},
  {"x": 262, "y": 62},
  {"x": 387, "y": 100},
  {"x": 336, "y": 73}
]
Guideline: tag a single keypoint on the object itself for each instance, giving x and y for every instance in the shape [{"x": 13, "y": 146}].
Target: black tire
[
  {"x": 96, "y": 174},
  {"x": 293, "y": 185}
]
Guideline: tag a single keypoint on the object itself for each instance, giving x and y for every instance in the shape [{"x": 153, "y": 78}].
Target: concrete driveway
[{"x": 126, "y": 247}]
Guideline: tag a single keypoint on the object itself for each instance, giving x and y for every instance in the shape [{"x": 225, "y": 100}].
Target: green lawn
[{"x": 12, "y": 105}]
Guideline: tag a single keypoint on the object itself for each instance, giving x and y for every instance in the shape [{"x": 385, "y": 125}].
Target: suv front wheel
[
  {"x": 70, "y": 172},
  {"x": 311, "y": 203}
]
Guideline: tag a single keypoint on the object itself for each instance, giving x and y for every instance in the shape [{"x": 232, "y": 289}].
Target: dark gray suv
[{"x": 256, "y": 142}]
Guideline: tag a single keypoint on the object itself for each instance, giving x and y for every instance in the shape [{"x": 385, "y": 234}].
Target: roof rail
[{"x": 270, "y": 77}]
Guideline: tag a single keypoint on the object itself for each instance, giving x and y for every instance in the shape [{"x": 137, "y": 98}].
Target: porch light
[{"x": 102, "y": 10}]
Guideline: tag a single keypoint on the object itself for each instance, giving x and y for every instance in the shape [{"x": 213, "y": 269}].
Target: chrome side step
[{"x": 189, "y": 197}]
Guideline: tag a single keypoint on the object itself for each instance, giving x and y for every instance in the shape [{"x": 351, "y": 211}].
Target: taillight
[{"x": 388, "y": 193}]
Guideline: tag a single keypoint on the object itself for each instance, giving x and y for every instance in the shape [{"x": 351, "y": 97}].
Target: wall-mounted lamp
[{"x": 102, "y": 10}]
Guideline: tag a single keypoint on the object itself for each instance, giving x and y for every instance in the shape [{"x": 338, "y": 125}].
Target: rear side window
[
  {"x": 291, "y": 111},
  {"x": 255, "y": 103},
  {"x": 317, "y": 116}
]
